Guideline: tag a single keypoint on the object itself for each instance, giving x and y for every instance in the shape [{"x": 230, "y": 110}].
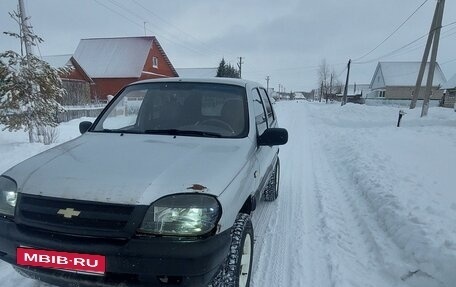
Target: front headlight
[
  {"x": 182, "y": 215},
  {"x": 8, "y": 196}
]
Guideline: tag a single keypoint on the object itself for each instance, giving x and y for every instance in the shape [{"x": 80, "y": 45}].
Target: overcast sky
[{"x": 286, "y": 40}]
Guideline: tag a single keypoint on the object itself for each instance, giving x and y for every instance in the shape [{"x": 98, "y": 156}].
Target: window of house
[{"x": 155, "y": 62}]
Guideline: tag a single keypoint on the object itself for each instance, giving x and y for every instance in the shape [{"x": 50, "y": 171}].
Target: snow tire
[
  {"x": 230, "y": 272},
  {"x": 272, "y": 189}
]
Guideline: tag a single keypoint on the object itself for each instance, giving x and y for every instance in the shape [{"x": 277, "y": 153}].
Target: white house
[
  {"x": 449, "y": 88},
  {"x": 395, "y": 82}
]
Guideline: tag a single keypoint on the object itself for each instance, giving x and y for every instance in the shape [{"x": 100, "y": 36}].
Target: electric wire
[
  {"x": 396, "y": 51},
  {"x": 139, "y": 25},
  {"x": 177, "y": 28},
  {"x": 394, "y": 32}
]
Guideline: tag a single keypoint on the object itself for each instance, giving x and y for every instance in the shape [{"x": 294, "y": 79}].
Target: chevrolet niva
[{"x": 158, "y": 191}]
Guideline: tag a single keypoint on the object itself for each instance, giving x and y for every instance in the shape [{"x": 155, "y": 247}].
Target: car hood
[{"x": 132, "y": 169}]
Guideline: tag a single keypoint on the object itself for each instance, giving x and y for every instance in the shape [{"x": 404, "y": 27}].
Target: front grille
[{"x": 94, "y": 218}]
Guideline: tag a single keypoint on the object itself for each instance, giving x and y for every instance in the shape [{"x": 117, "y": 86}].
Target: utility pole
[
  {"x": 267, "y": 83},
  {"x": 240, "y": 66},
  {"x": 344, "y": 99},
  {"x": 145, "y": 31},
  {"x": 25, "y": 29},
  {"x": 419, "y": 80},
  {"x": 435, "y": 49}
]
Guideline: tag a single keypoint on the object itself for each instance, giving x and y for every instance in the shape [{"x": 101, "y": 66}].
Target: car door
[
  {"x": 263, "y": 153},
  {"x": 269, "y": 153}
]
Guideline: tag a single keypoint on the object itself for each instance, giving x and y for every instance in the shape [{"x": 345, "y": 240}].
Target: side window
[
  {"x": 125, "y": 113},
  {"x": 267, "y": 105},
  {"x": 260, "y": 117}
]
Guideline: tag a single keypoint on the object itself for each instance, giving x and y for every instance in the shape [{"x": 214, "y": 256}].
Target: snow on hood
[{"x": 131, "y": 169}]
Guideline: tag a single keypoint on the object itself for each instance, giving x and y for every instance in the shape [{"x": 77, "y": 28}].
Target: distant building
[
  {"x": 394, "y": 82},
  {"x": 112, "y": 63},
  {"x": 358, "y": 89},
  {"x": 355, "y": 93},
  {"x": 197, "y": 72},
  {"x": 449, "y": 100},
  {"x": 299, "y": 96},
  {"x": 77, "y": 83}
]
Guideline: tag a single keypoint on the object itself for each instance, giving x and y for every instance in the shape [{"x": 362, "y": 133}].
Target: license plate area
[{"x": 66, "y": 261}]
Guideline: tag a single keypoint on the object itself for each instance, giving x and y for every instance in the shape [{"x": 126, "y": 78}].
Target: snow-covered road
[
  {"x": 324, "y": 230},
  {"x": 319, "y": 233}
]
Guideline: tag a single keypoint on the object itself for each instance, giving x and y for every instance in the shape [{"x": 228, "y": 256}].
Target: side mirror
[
  {"x": 84, "y": 126},
  {"x": 273, "y": 136}
]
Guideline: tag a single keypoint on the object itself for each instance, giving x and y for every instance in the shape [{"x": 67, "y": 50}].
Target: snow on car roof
[{"x": 229, "y": 81}]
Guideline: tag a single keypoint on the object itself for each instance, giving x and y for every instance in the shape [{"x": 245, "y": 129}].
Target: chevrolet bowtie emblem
[{"x": 68, "y": 212}]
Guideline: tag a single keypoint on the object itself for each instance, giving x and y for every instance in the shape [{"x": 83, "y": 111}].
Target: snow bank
[
  {"x": 407, "y": 175},
  {"x": 15, "y": 147}
]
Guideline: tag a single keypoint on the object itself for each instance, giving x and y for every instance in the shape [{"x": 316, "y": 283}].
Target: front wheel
[{"x": 237, "y": 269}]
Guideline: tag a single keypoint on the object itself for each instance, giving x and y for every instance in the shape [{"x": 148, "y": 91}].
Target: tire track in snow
[
  {"x": 357, "y": 243},
  {"x": 289, "y": 250}
]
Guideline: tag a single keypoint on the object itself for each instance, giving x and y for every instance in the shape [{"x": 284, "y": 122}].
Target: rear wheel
[
  {"x": 272, "y": 189},
  {"x": 236, "y": 271}
]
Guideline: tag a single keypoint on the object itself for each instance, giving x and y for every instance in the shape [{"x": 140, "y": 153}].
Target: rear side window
[
  {"x": 260, "y": 116},
  {"x": 267, "y": 105}
]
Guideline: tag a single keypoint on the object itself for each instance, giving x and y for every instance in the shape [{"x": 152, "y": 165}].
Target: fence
[{"x": 75, "y": 112}]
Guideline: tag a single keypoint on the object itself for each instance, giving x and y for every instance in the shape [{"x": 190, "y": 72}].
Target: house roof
[
  {"x": 58, "y": 61},
  {"x": 450, "y": 84},
  {"x": 197, "y": 72},
  {"x": 61, "y": 61},
  {"x": 116, "y": 57},
  {"x": 405, "y": 73}
]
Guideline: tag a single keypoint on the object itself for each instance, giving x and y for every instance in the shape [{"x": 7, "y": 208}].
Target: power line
[
  {"x": 394, "y": 32},
  {"x": 142, "y": 19},
  {"x": 155, "y": 15},
  {"x": 142, "y": 27},
  {"x": 122, "y": 7},
  {"x": 394, "y": 52}
]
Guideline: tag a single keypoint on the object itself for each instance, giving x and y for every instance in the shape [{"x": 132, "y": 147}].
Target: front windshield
[{"x": 178, "y": 108}]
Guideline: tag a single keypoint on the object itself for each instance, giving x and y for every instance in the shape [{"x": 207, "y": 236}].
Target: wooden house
[{"x": 112, "y": 63}]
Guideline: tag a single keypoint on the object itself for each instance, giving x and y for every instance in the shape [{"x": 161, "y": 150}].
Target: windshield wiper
[
  {"x": 176, "y": 132},
  {"x": 119, "y": 131}
]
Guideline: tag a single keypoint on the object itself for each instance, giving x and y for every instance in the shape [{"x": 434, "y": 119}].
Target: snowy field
[{"x": 362, "y": 203}]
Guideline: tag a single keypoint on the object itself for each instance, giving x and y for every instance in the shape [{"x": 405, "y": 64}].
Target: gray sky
[{"x": 284, "y": 39}]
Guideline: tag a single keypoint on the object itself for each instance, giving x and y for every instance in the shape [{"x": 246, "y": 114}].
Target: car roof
[{"x": 229, "y": 81}]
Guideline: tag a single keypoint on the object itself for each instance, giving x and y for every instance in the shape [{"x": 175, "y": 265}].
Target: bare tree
[
  {"x": 323, "y": 79},
  {"x": 328, "y": 82}
]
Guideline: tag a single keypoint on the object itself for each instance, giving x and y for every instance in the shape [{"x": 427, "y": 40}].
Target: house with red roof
[
  {"x": 77, "y": 82},
  {"x": 112, "y": 63}
]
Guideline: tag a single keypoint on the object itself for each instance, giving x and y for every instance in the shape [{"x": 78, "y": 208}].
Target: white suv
[{"x": 158, "y": 191}]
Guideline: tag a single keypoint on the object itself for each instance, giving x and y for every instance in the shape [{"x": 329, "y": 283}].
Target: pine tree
[
  {"x": 30, "y": 89},
  {"x": 227, "y": 70}
]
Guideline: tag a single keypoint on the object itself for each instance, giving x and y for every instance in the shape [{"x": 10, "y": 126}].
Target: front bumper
[{"x": 139, "y": 261}]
